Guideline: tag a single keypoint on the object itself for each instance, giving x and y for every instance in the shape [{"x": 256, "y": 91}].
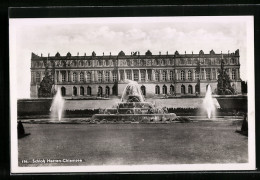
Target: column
[
  {"x": 55, "y": 77},
  {"x": 132, "y": 74},
  {"x": 71, "y": 76},
  {"x": 211, "y": 74},
  {"x": 176, "y": 74},
  {"x": 110, "y": 76},
  {"x": 204, "y": 73},
  {"x": 216, "y": 71},
  {"x": 186, "y": 74},
  {"x": 139, "y": 75},
  {"x": 85, "y": 76},
  {"x": 153, "y": 75},
  {"x": 160, "y": 75},
  {"x": 237, "y": 74},
  {"x": 146, "y": 75},
  {"x": 92, "y": 76},
  {"x": 119, "y": 77},
  {"x": 78, "y": 76},
  {"x": 96, "y": 76},
  {"x": 66, "y": 76},
  {"x": 124, "y": 75},
  {"x": 103, "y": 76},
  {"x": 193, "y": 75},
  {"x": 230, "y": 73},
  {"x": 168, "y": 75}
]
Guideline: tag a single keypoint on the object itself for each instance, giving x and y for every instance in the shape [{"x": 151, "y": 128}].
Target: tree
[{"x": 224, "y": 86}]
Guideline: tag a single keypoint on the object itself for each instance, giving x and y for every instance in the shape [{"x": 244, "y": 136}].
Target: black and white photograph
[{"x": 131, "y": 94}]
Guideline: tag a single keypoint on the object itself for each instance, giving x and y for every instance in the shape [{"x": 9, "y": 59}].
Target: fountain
[
  {"x": 208, "y": 103},
  {"x": 57, "y": 105},
  {"x": 134, "y": 108}
]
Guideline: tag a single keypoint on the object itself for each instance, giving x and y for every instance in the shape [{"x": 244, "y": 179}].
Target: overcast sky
[{"x": 107, "y": 35}]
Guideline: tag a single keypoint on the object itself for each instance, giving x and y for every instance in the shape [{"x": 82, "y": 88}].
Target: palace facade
[{"x": 158, "y": 75}]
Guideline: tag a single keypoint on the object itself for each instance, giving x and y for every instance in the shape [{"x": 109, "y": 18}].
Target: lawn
[{"x": 127, "y": 144}]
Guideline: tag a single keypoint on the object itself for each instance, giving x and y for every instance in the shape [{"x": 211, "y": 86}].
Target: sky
[{"x": 158, "y": 34}]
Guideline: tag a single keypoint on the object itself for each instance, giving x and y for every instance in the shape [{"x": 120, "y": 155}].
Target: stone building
[{"x": 158, "y": 75}]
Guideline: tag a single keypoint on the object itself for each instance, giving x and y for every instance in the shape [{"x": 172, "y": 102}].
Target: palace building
[{"x": 158, "y": 75}]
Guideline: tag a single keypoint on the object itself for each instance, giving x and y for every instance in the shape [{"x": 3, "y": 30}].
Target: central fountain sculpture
[{"x": 134, "y": 108}]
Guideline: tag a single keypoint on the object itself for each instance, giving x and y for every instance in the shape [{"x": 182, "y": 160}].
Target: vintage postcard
[{"x": 132, "y": 94}]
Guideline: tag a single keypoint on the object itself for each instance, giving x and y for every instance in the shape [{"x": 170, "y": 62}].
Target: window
[
  {"x": 107, "y": 76},
  {"x": 63, "y": 76},
  {"x": 100, "y": 77},
  {"x": 189, "y": 75},
  {"x": 142, "y": 76},
  {"x": 164, "y": 75},
  {"x": 182, "y": 75},
  {"x": 171, "y": 89},
  {"x": 171, "y": 75},
  {"x": 189, "y": 61},
  {"x": 157, "y": 89},
  {"x": 74, "y": 91},
  {"x": 208, "y": 74},
  {"x": 197, "y": 88},
  {"x": 82, "y": 91},
  {"x": 190, "y": 89},
  {"x": 149, "y": 76},
  {"x": 107, "y": 90},
  {"x": 136, "y": 76},
  {"x": 214, "y": 74},
  {"x": 128, "y": 75},
  {"x": 74, "y": 77},
  {"x": 81, "y": 63},
  {"x": 156, "y": 76},
  {"x": 81, "y": 77},
  {"x": 100, "y": 91},
  {"x": 69, "y": 78},
  {"x": 164, "y": 89},
  {"x": 156, "y": 62},
  {"x": 89, "y": 91},
  {"x": 233, "y": 74},
  {"x": 63, "y": 91},
  {"x": 38, "y": 77},
  {"x": 182, "y": 89},
  {"x": 197, "y": 75},
  {"x": 114, "y": 76},
  {"x": 88, "y": 77},
  {"x": 88, "y": 63}
]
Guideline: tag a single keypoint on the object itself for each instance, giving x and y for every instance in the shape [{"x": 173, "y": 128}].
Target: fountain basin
[{"x": 135, "y": 117}]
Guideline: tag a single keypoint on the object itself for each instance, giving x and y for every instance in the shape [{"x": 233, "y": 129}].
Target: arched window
[
  {"x": 143, "y": 89},
  {"x": 157, "y": 62},
  {"x": 163, "y": 62},
  {"x": 100, "y": 77},
  {"x": 157, "y": 89},
  {"x": 89, "y": 91},
  {"x": 82, "y": 91},
  {"x": 189, "y": 75},
  {"x": 171, "y": 75},
  {"x": 81, "y": 77},
  {"x": 107, "y": 90},
  {"x": 100, "y": 91},
  {"x": 63, "y": 91},
  {"x": 74, "y": 63},
  {"x": 164, "y": 74},
  {"x": 190, "y": 91},
  {"x": 107, "y": 76},
  {"x": 156, "y": 76},
  {"x": 75, "y": 91},
  {"x": 197, "y": 88},
  {"x": 88, "y": 77},
  {"x": 164, "y": 89},
  {"x": 63, "y": 76},
  {"x": 171, "y": 89},
  {"x": 182, "y": 75},
  {"x": 74, "y": 77},
  {"x": 38, "y": 77},
  {"x": 182, "y": 89},
  {"x": 233, "y": 74}
]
